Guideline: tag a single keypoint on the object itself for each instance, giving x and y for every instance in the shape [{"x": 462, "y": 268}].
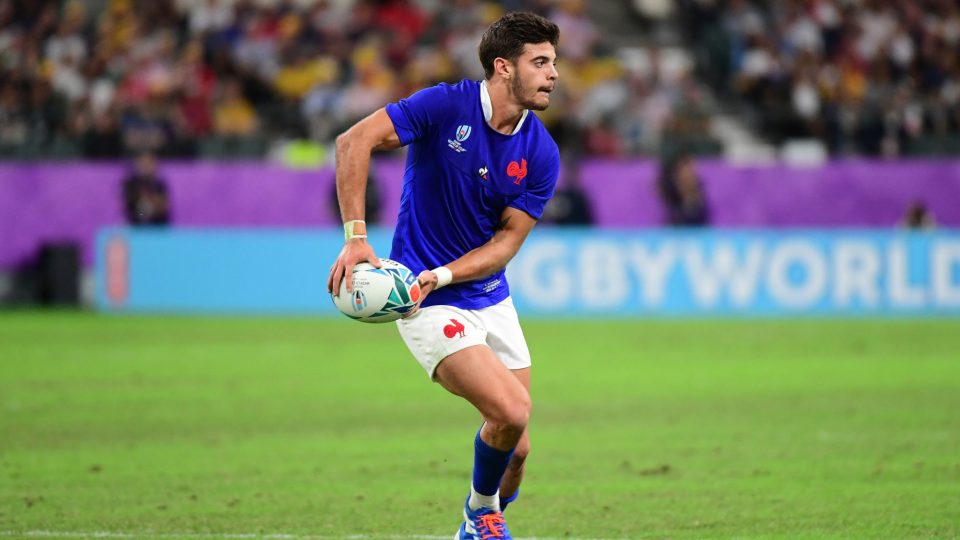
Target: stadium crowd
[
  {"x": 868, "y": 77},
  {"x": 112, "y": 78},
  {"x": 219, "y": 77}
]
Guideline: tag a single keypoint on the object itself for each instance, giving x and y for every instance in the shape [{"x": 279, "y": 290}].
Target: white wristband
[{"x": 444, "y": 276}]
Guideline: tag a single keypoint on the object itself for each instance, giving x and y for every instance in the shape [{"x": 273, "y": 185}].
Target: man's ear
[{"x": 503, "y": 67}]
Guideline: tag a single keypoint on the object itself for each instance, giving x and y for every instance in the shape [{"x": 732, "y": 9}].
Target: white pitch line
[
  {"x": 237, "y": 536},
  {"x": 209, "y": 536}
]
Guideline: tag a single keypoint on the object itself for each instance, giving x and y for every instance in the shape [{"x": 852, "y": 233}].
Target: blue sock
[
  {"x": 489, "y": 464},
  {"x": 508, "y": 500}
]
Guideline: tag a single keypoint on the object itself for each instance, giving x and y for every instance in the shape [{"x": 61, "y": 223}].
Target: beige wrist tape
[{"x": 348, "y": 229}]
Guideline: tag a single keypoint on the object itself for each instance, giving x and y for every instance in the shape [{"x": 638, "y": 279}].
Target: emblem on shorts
[{"x": 454, "y": 330}]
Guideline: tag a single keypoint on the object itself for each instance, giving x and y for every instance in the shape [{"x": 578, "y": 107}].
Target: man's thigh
[
  {"x": 435, "y": 332},
  {"x": 477, "y": 375},
  {"x": 504, "y": 334}
]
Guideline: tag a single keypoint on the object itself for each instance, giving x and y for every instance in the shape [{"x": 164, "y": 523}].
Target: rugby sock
[
  {"x": 508, "y": 500},
  {"x": 489, "y": 464}
]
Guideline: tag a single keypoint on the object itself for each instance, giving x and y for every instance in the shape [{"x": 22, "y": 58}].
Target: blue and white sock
[
  {"x": 508, "y": 500},
  {"x": 489, "y": 464}
]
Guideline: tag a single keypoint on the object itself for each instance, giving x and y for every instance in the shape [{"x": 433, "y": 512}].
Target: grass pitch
[{"x": 164, "y": 427}]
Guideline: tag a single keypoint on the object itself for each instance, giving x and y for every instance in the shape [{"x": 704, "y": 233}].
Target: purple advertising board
[{"x": 48, "y": 202}]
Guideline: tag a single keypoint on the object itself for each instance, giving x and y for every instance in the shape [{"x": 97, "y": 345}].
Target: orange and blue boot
[{"x": 482, "y": 524}]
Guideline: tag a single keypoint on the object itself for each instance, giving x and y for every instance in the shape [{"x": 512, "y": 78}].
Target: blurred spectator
[
  {"x": 145, "y": 197},
  {"x": 102, "y": 139},
  {"x": 195, "y": 94},
  {"x": 14, "y": 127},
  {"x": 681, "y": 191},
  {"x": 233, "y": 115},
  {"x": 918, "y": 216},
  {"x": 153, "y": 127},
  {"x": 602, "y": 139},
  {"x": 578, "y": 35},
  {"x": 570, "y": 204},
  {"x": 208, "y": 16}
]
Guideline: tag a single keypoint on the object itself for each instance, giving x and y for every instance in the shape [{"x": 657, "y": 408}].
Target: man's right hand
[
  {"x": 354, "y": 251},
  {"x": 428, "y": 282}
]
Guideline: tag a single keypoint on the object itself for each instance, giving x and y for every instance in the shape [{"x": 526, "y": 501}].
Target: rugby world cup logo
[
  {"x": 359, "y": 300},
  {"x": 463, "y": 132}
]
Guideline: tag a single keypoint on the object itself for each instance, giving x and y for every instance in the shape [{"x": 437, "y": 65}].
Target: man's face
[
  {"x": 146, "y": 165},
  {"x": 535, "y": 76}
]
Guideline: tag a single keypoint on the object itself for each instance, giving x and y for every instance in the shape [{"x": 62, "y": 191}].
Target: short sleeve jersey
[{"x": 460, "y": 176}]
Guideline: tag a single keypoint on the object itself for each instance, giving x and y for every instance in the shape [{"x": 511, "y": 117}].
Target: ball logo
[
  {"x": 359, "y": 300},
  {"x": 415, "y": 292},
  {"x": 463, "y": 132},
  {"x": 453, "y": 330}
]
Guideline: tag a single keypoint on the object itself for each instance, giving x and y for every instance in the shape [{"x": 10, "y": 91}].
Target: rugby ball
[{"x": 379, "y": 294}]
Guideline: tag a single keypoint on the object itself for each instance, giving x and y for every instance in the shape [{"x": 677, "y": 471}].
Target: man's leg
[
  {"x": 477, "y": 375},
  {"x": 510, "y": 485}
]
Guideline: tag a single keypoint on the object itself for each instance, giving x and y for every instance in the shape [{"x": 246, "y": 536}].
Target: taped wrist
[
  {"x": 351, "y": 226},
  {"x": 444, "y": 276}
]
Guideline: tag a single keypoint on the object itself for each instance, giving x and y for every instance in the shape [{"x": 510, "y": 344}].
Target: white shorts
[{"x": 435, "y": 332}]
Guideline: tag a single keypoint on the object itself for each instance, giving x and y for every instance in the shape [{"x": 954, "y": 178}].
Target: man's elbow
[
  {"x": 344, "y": 141},
  {"x": 508, "y": 250},
  {"x": 355, "y": 139}
]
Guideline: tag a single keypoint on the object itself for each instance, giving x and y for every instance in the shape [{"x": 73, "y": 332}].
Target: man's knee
[{"x": 512, "y": 417}]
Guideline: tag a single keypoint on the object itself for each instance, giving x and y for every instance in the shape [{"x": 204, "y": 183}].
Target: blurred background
[{"x": 170, "y": 120}]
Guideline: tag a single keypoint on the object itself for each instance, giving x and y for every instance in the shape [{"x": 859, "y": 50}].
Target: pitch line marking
[{"x": 237, "y": 536}]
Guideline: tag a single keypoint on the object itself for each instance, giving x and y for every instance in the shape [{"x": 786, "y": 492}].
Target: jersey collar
[{"x": 487, "y": 107}]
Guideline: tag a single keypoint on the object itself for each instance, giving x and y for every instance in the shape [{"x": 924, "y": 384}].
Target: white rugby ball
[{"x": 379, "y": 294}]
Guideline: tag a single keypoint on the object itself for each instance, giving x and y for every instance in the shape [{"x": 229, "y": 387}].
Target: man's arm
[
  {"x": 483, "y": 261},
  {"x": 375, "y": 132}
]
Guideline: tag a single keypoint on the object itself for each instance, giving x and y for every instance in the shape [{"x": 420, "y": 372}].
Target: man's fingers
[
  {"x": 348, "y": 275},
  {"x": 335, "y": 286},
  {"x": 343, "y": 268},
  {"x": 333, "y": 282}
]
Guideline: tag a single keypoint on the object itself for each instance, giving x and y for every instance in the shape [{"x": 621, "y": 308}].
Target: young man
[{"x": 480, "y": 169}]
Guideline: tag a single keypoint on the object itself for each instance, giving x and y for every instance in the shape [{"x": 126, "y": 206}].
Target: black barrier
[{"x": 59, "y": 274}]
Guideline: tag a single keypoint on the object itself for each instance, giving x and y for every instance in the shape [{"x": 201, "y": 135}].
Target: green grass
[{"x": 166, "y": 426}]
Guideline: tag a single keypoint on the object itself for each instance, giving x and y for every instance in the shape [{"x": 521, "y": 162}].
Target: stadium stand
[
  {"x": 866, "y": 77},
  {"x": 232, "y": 78}
]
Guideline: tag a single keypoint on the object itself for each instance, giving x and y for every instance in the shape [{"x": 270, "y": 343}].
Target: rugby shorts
[{"x": 435, "y": 332}]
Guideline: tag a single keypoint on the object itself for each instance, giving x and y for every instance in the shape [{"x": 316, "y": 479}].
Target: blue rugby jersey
[{"x": 460, "y": 175}]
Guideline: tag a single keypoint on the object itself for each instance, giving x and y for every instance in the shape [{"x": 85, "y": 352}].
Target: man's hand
[
  {"x": 428, "y": 282},
  {"x": 354, "y": 251}
]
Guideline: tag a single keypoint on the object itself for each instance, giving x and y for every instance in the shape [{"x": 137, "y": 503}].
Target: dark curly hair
[{"x": 506, "y": 37}]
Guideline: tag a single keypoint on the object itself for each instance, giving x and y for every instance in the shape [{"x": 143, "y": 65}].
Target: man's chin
[{"x": 538, "y": 104}]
